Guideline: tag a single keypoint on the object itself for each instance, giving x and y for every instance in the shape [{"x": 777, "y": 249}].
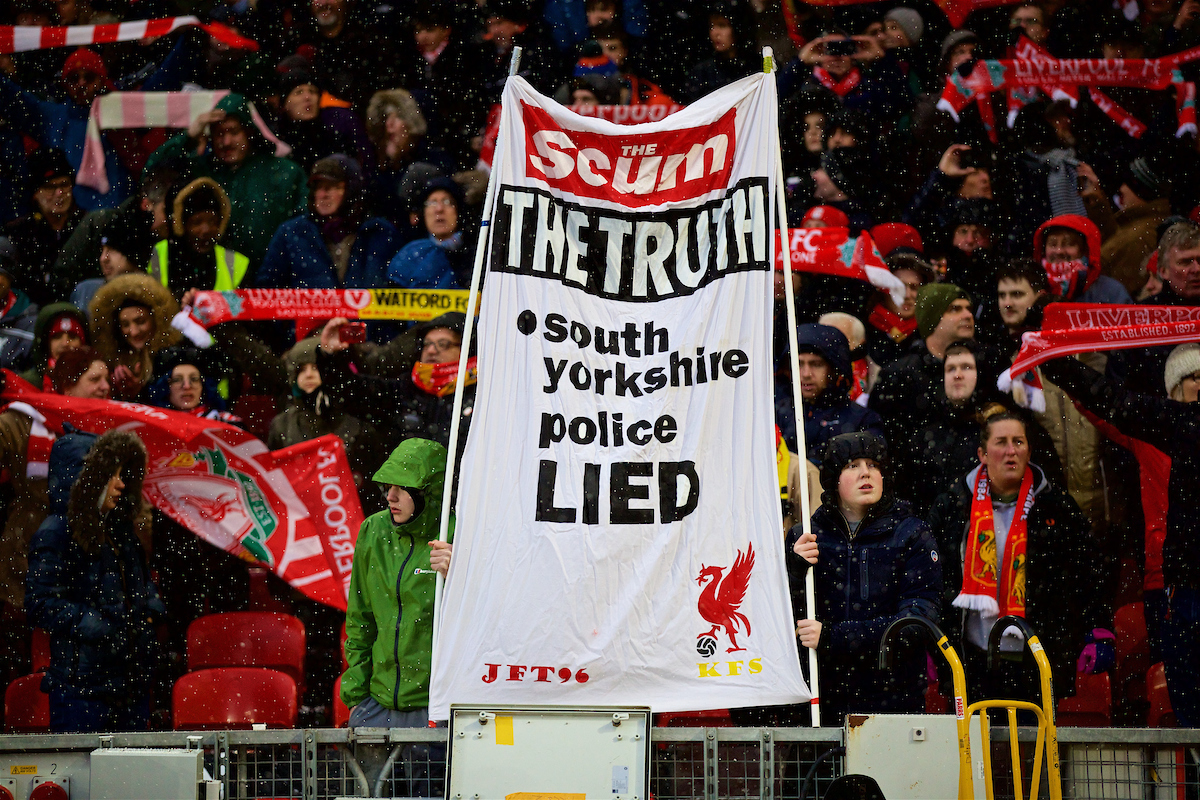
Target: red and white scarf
[
  {"x": 895, "y": 326},
  {"x": 441, "y": 380},
  {"x": 1070, "y": 328},
  {"x": 1068, "y": 278},
  {"x": 1059, "y": 75},
  {"x": 1125, "y": 121},
  {"x": 22, "y": 38},
  {"x": 37, "y": 451},
  {"x": 842, "y": 87},
  {"x": 149, "y": 110},
  {"x": 985, "y": 576},
  {"x": 1185, "y": 105}
]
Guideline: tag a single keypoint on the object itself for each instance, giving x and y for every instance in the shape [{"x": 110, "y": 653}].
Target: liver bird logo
[
  {"x": 215, "y": 509},
  {"x": 721, "y": 599}
]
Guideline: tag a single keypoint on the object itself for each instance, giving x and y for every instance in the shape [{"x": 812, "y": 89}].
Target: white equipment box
[
  {"x": 911, "y": 755},
  {"x": 127, "y": 773},
  {"x": 515, "y": 753}
]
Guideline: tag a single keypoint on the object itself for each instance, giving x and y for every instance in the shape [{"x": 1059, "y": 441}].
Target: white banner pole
[
  {"x": 481, "y": 247},
  {"x": 789, "y": 294}
]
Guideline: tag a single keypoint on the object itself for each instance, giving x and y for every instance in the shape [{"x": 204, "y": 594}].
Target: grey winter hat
[
  {"x": 909, "y": 21},
  {"x": 955, "y": 38},
  {"x": 1183, "y": 361},
  {"x": 1147, "y": 181}
]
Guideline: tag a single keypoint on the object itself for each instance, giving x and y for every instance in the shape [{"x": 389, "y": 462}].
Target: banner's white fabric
[{"x": 618, "y": 536}]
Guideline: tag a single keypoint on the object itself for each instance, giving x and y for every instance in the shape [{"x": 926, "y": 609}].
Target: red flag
[{"x": 295, "y": 510}]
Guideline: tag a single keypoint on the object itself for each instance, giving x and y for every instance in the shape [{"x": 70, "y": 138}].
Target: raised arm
[{"x": 1160, "y": 422}]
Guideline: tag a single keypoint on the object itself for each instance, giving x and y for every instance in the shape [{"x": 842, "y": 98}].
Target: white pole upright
[{"x": 789, "y": 295}]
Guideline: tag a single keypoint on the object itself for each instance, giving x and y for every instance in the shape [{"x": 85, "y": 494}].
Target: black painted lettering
[{"x": 621, "y": 492}]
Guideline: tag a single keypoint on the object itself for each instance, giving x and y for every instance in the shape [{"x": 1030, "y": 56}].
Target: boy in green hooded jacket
[{"x": 389, "y": 619}]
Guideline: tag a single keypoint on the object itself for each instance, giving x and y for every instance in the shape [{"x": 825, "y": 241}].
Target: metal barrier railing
[{"x": 700, "y": 763}]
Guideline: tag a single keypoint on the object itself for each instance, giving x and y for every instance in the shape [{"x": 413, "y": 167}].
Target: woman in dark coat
[
  {"x": 89, "y": 585},
  {"x": 875, "y": 562},
  {"x": 1026, "y": 550}
]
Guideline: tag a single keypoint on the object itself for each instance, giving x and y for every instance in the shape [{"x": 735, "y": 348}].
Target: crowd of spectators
[{"x": 347, "y": 154}]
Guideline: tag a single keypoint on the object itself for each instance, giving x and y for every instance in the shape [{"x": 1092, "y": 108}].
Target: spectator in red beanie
[
  {"x": 825, "y": 217},
  {"x": 896, "y": 238}
]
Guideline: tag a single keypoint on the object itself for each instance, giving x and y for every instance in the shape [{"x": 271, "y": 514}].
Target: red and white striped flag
[
  {"x": 21, "y": 38},
  {"x": 149, "y": 110}
]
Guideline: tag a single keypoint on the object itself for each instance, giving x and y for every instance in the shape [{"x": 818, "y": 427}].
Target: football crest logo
[{"x": 720, "y": 600}]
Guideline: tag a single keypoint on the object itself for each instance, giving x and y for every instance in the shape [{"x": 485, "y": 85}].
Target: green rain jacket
[{"x": 389, "y": 619}]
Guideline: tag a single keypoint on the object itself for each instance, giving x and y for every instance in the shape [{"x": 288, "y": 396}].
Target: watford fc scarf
[
  {"x": 982, "y": 572},
  {"x": 440, "y": 380},
  {"x": 896, "y": 327},
  {"x": 841, "y": 88}
]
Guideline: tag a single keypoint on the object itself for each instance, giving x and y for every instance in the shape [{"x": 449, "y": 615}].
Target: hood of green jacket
[
  {"x": 417, "y": 464},
  {"x": 238, "y": 107}
]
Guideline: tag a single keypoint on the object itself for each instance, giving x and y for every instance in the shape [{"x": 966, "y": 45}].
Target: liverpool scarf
[
  {"x": 441, "y": 380},
  {"x": 986, "y": 577},
  {"x": 1070, "y": 328},
  {"x": 841, "y": 88},
  {"x": 1059, "y": 75},
  {"x": 896, "y": 327},
  {"x": 1068, "y": 278}
]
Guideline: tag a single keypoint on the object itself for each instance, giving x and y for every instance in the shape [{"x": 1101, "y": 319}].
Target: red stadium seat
[
  {"x": 234, "y": 698},
  {"x": 716, "y": 718},
  {"x": 1161, "y": 715},
  {"x": 935, "y": 702},
  {"x": 39, "y": 650},
  {"x": 1091, "y": 707},
  {"x": 1133, "y": 660},
  {"x": 261, "y": 598},
  {"x": 26, "y": 706},
  {"x": 248, "y": 639},
  {"x": 1132, "y": 646},
  {"x": 341, "y": 713}
]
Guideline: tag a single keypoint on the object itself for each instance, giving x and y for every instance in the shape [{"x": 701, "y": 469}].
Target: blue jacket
[
  {"x": 298, "y": 259},
  {"x": 832, "y": 413},
  {"x": 97, "y": 606},
  {"x": 424, "y": 264},
  {"x": 888, "y": 570},
  {"x": 64, "y": 125}
]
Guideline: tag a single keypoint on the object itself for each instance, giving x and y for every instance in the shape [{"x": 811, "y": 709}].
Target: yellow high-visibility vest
[{"x": 231, "y": 267}]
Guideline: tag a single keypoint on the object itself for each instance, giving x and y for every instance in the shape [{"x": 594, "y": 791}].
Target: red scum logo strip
[{"x": 634, "y": 169}]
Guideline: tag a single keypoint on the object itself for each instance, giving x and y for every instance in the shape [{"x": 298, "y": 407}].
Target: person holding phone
[
  {"x": 854, "y": 71},
  {"x": 419, "y": 404}
]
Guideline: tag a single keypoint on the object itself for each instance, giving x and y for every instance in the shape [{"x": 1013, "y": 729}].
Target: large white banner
[{"x": 618, "y": 535}]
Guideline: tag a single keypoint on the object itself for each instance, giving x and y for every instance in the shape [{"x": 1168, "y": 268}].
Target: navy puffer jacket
[
  {"x": 889, "y": 569},
  {"x": 97, "y": 602}
]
